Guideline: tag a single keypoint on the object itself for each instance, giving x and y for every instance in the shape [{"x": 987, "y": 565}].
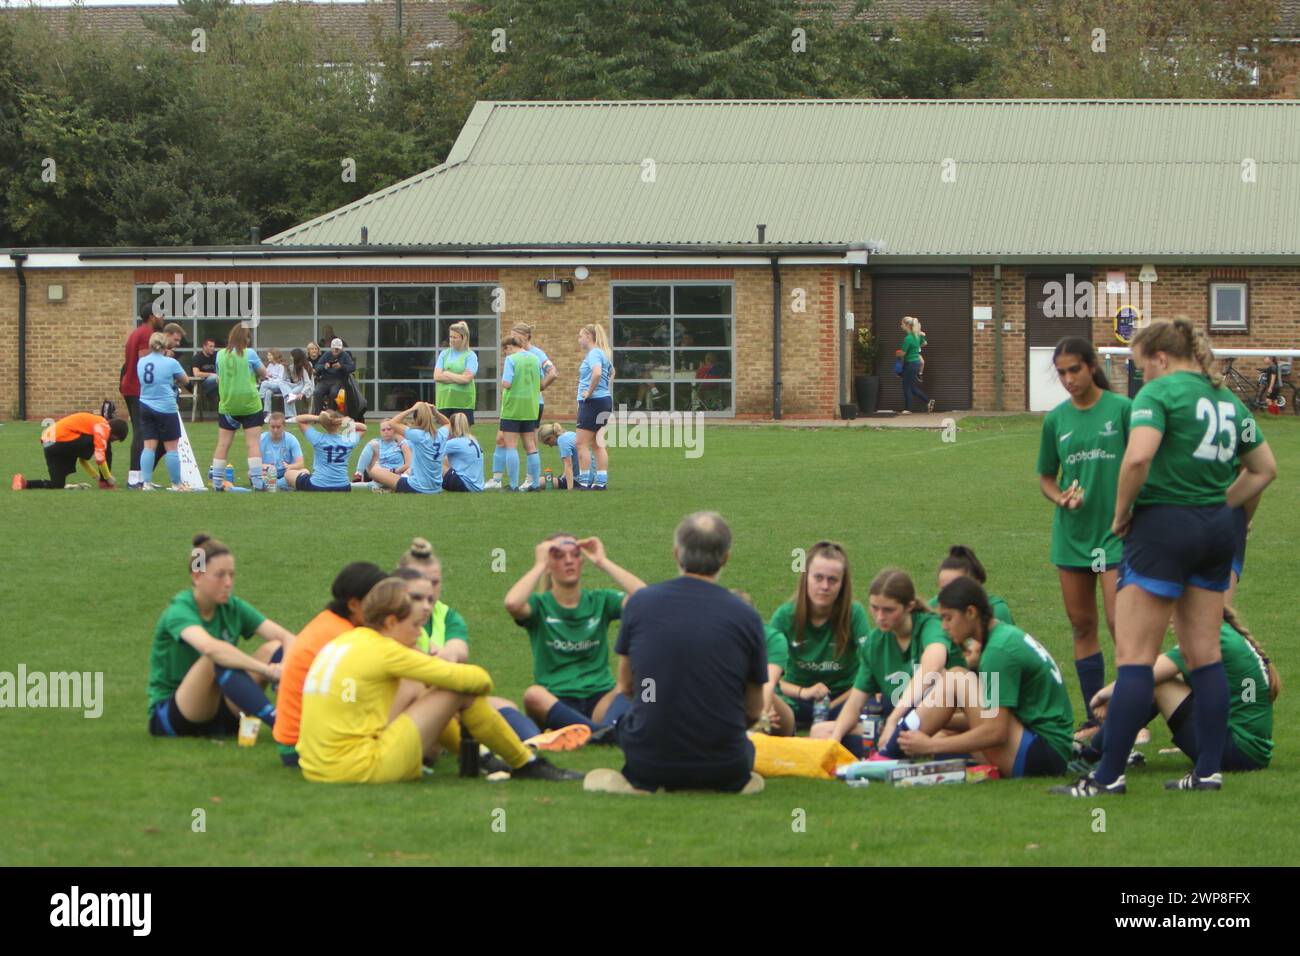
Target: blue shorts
[
  {"x": 304, "y": 483},
  {"x": 404, "y": 487},
  {"x": 159, "y": 426},
  {"x": 166, "y": 720},
  {"x": 1182, "y": 727},
  {"x": 593, "y": 413},
  {"x": 1239, "y": 552},
  {"x": 519, "y": 426},
  {"x": 1170, "y": 547},
  {"x": 232, "y": 423},
  {"x": 453, "y": 482},
  {"x": 725, "y": 779},
  {"x": 1036, "y": 759},
  {"x": 467, "y": 412}
]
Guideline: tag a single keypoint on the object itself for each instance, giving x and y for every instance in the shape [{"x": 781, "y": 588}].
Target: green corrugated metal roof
[{"x": 1033, "y": 177}]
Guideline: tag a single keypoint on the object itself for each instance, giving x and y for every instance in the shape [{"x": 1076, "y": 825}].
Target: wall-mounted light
[
  {"x": 554, "y": 288},
  {"x": 581, "y": 272},
  {"x": 56, "y": 293}
]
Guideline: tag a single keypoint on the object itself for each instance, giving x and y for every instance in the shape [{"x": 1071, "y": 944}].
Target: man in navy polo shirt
[{"x": 693, "y": 660}]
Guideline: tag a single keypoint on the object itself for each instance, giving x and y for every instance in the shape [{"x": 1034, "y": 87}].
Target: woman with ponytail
[
  {"x": 199, "y": 681},
  {"x": 961, "y": 562},
  {"x": 1177, "y": 487},
  {"x": 595, "y": 403},
  {"x": 1079, "y": 454},
  {"x": 1254, "y": 684},
  {"x": 1011, "y": 694}
]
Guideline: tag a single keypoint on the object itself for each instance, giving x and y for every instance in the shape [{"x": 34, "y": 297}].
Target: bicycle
[{"x": 1254, "y": 395}]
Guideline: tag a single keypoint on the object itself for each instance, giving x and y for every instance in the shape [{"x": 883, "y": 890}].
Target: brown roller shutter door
[{"x": 943, "y": 304}]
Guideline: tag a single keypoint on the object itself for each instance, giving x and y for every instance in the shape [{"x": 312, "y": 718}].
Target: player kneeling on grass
[
  {"x": 199, "y": 681},
  {"x": 332, "y": 444},
  {"x": 568, "y": 629},
  {"x": 76, "y": 440},
  {"x": 1252, "y": 681},
  {"x": 362, "y": 724},
  {"x": 1010, "y": 709},
  {"x": 554, "y": 435}
]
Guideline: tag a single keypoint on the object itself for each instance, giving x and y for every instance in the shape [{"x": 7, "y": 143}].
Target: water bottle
[
  {"x": 550, "y": 478},
  {"x": 271, "y": 479},
  {"x": 822, "y": 709},
  {"x": 468, "y": 754},
  {"x": 230, "y": 474},
  {"x": 873, "y": 719}
]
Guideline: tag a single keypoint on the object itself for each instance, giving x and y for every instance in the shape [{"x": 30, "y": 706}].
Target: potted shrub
[{"x": 866, "y": 384}]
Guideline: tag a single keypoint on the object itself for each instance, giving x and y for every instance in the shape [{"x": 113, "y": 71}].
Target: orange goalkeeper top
[
  {"x": 84, "y": 423},
  {"x": 318, "y": 632}
]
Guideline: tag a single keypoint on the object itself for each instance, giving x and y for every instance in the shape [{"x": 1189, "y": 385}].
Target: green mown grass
[{"x": 87, "y": 574}]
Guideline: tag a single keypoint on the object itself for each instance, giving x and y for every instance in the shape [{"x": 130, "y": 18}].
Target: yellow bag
[{"x": 798, "y": 757}]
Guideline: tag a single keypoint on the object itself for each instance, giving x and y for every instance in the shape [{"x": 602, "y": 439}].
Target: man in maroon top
[{"x": 137, "y": 345}]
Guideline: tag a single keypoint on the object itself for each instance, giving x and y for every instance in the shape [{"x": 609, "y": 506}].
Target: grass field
[{"x": 87, "y": 574}]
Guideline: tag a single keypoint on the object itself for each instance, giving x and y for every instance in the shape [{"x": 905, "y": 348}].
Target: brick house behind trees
[{"x": 649, "y": 215}]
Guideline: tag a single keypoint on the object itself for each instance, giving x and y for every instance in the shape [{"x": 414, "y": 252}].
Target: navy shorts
[
  {"x": 168, "y": 721},
  {"x": 467, "y": 412},
  {"x": 1239, "y": 551},
  {"x": 404, "y": 487},
  {"x": 725, "y": 779},
  {"x": 304, "y": 483},
  {"x": 1169, "y": 547},
  {"x": 1182, "y": 726},
  {"x": 232, "y": 423},
  {"x": 519, "y": 426},
  {"x": 1036, "y": 758},
  {"x": 159, "y": 426},
  {"x": 453, "y": 482},
  {"x": 590, "y": 413}
]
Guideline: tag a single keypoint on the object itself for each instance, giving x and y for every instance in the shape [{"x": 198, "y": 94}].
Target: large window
[
  {"x": 674, "y": 346},
  {"x": 393, "y": 332}
]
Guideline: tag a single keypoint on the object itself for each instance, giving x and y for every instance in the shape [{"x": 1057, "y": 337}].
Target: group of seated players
[{"x": 379, "y": 683}]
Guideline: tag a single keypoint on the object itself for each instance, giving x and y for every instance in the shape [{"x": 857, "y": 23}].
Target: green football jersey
[
  {"x": 1250, "y": 712},
  {"x": 884, "y": 666},
  {"x": 571, "y": 644},
  {"x": 813, "y": 660},
  {"x": 238, "y": 385},
  {"x": 778, "y": 649},
  {"x": 449, "y": 394},
  {"x": 1204, "y": 428},
  {"x": 1016, "y": 672},
  {"x": 1087, "y": 446},
  {"x": 520, "y": 401},
  {"x": 172, "y": 657}
]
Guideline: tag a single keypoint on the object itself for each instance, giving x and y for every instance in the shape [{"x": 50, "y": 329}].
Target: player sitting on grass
[
  {"x": 903, "y": 656},
  {"x": 1254, "y": 686},
  {"x": 446, "y": 635},
  {"x": 1010, "y": 709},
  {"x": 822, "y": 625},
  {"x": 462, "y": 466},
  {"x": 280, "y": 450},
  {"x": 427, "y": 436},
  {"x": 961, "y": 560},
  {"x": 342, "y": 614},
  {"x": 389, "y": 450},
  {"x": 332, "y": 444},
  {"x": 361, "y": 723},
  {"x": 778, "y": 718},
  {"x": 568, "y": 628},
  {"x": 199, "y": 681}
]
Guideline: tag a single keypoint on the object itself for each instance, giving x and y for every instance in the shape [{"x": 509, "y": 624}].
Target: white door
[{"x": 1045, "y": 391}]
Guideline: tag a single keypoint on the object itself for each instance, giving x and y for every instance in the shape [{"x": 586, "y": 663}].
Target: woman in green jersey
[
  {"x": 1177, "y": 488},
  {"x": 903, "y": 656},
  {"x": 961, "y": 561},
  {"x": 568, "y": 627},
  {"x": 822, "y": 625},
  {"x": 1079, "y": 454},
  {"x": 454, "y": 373},
  {"x": 1016, "y": 710},
  {"x": 199, "y": 681},
  {"x": 1254, "y": 684}
]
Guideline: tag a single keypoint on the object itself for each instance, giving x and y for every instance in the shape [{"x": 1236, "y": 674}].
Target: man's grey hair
[{"x": 703, "y": 541}]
